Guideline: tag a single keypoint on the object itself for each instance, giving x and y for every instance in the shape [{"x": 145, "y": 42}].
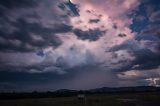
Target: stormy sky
[{"x": 78, "y": 44}]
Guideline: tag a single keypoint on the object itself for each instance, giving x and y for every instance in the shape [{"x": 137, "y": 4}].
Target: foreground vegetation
[{"x": 122, "y": 99}]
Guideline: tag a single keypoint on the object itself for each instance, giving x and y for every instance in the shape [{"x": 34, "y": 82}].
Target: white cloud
[{"x": 152, "y": 76}]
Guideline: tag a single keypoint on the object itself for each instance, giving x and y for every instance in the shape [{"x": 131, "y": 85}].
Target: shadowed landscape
[
  {"x": 126, "y": 96},
  {"x": 127, "y": 99}
]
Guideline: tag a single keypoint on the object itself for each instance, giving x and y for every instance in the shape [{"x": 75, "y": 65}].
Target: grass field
[{"x": 133, "y": 99}]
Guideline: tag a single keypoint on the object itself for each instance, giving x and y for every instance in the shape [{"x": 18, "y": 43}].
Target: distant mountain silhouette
[
  {"x": 125, "y": 89},
  {"x": 68, "y": 92}
]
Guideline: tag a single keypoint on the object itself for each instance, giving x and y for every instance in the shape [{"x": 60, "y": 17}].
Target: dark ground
[{"x": 126, "y": 99}]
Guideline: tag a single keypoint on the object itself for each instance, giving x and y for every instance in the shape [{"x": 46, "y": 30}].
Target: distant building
[{"x": 82, "y": 97}]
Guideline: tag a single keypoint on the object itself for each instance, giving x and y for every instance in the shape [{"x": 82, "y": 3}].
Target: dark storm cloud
[
  {"x": 77, "y": 78},
  {"x": 123, "y": 46},
  {"x": 155, "y": 16},
  {"x": 151, "y": 33},
  {"x": 122, "y": 35},
  {"x": 18, "y": 3},
  {"x": 81, "y": 77},
  {"x": 9, "y": 76},
  {"x": 91, "y": 34},
  {"x": 25, "y": 27},
  {"x": 115, "y": 25},
  {"x": 148, "y": 36},
  {"x": 70, "y": 8},
  {"x": 152, "y": 29},
  {"x": 146, "y": 59},
  {"x": 22, "y": 81},
  {"x": 7, "y": 5},
  {"x": 7, "y": 86},
  {"x": 145, "y": 48},
  {"x": 94, "y": 21},
  {"x": 151, "y": 6},
  {"x": 25, "y": 33},
  {"x": 33, "y": 34}
]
